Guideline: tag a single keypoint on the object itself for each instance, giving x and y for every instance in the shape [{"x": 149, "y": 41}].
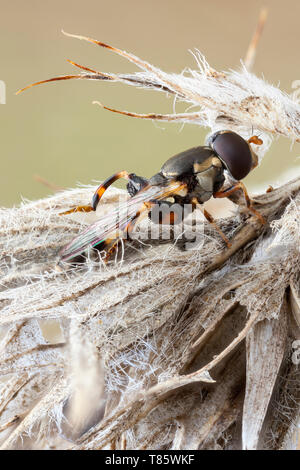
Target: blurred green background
[{"x": 54, "y": 130}]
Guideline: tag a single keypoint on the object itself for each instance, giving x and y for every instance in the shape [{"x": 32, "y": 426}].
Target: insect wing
[{"x": 113, "y": 224}]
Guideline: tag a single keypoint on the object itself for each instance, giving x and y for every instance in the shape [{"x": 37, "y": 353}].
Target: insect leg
[
  {"x": 103, "y": 187},
  {"x": 112, "y": 248},
  {"x": 138, "y": 216},
  {"x": 77, "y": 209},
  {"x": 98, "y": 193},
  {"x": 128, "y": 229},
  {"x": 236, "y": 187},
  {"x": 212, "y": 221}
]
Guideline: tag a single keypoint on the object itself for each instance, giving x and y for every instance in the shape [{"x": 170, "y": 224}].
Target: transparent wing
[{"x": 113, "y": 225}]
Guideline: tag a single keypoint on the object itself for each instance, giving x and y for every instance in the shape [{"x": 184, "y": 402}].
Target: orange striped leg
[
  {"x": 77, "y": 209},
  {"x": 129, "y": 227},
  {"x": 103, "y": 187},
  {"x": 131, "y": 224},
  {"x": 212, "y": 221},
  {"x": 98, "y": 193},
  {"x": 236, "y": 187},
  {"x": 111, "y": 250}
]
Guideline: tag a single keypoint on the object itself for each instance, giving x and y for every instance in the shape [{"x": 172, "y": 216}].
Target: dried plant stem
[{"x": 251, "y": 52}]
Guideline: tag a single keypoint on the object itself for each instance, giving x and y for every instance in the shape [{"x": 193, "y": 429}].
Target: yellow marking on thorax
[{"x": 211, "y": 161}]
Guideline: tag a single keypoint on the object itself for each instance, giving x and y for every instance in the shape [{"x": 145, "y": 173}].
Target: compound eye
[{"x": 234, "y": 152}]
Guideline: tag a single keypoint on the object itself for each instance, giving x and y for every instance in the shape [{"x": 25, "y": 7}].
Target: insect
[{"x": 190, "y": 177}]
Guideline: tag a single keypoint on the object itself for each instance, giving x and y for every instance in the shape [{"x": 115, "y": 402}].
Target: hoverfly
[{"x": 190, "y": 177}]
